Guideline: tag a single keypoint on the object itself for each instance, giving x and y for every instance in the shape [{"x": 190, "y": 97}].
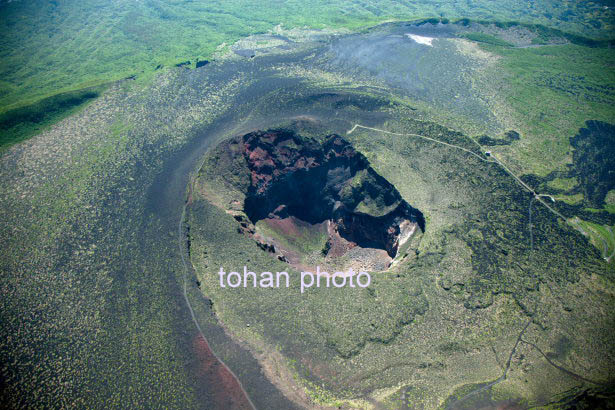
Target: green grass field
[
  {"x": 61, "y": 45},
  {"x": 21, "y": 123},
  {"x": 486, "y": 38},
  {"x": 601, "y": 236},
  {"x": 550, "y": 91}
]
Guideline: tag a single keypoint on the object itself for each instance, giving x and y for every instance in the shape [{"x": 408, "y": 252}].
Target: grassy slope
[
  {"x": 482, "y": 279},
  {"x": 552, "y": 91},
  {"x": 96, "y": 184},
  {"x": 21, "y": 123},
  {"x": 486, "y": 38},
  {"x": 601, "y": 236},
  {"x": 66, "y": 45}
]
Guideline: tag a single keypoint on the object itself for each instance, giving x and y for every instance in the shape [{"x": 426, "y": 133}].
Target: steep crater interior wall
[{"x": 315, "y": 202}]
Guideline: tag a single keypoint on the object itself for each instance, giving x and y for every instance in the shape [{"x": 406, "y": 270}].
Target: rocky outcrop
[{"x": 298, "y": 177}]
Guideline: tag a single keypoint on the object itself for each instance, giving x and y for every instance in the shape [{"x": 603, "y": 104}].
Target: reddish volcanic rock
[
  {"x": 227, "y": 391},
  {"x": 272, "y": 154}
]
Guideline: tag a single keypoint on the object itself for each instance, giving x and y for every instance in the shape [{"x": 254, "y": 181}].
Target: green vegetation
[
  {"x": 610, "y": 201},
  {"x": 552, "y": 90},
  {"x": 594, "y": 161},
  {"x": 601, "y": 236},
  {"x": 19, "y": 124},
  {"x": 75, "y": 197},
  {"x": 54, "y": 46},
  {"x": 545, "y": 34},
  {"x": 564, "y": 184},
  {"x": 306, "y": 240},
  {"x": 570, "y": 199},
  {"x": 486, "y": 38}
]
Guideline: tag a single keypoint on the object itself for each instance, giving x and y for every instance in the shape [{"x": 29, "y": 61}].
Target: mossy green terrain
[
  {"x": 601, "y": 236},
  {"x": 486, "y": 38},
  {"x": 58, "y": 46},
  {"x": 20, "y": 124},
  {"x": 544, "y": 93},
  {"x": 549, "y": 92}
]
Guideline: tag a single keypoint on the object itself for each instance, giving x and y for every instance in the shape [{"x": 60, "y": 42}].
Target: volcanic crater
[{"x": 313, "y": 202}]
